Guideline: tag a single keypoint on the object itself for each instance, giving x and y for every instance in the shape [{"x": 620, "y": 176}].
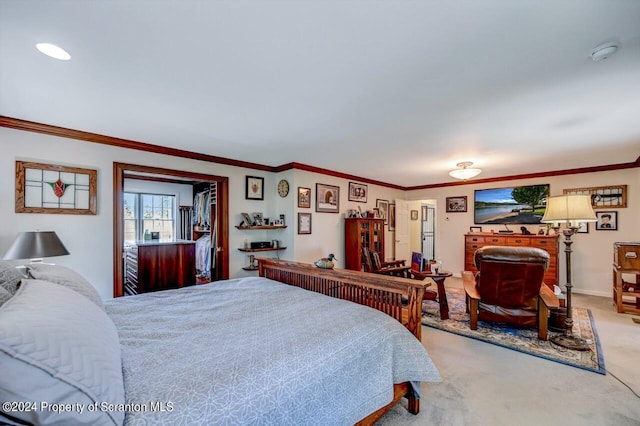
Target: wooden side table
[
  {"x": 622, "y": 288},
  {"x": 441, "y": 294}
]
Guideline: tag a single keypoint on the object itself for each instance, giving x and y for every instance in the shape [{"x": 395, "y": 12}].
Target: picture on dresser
[{"x": 523, "y": 205}]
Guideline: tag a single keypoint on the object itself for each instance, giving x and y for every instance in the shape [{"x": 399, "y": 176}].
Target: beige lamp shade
[
  {"x": 34, "y": 245},
  {"x": 570, "y": 209}
]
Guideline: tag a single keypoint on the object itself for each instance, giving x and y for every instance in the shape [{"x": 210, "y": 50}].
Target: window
[{"x": 148, "y": 212}]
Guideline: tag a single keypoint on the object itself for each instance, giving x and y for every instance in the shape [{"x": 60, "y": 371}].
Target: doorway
[
  {"x": 428, "y": 231},
  {"x": 221, "y": 249}
]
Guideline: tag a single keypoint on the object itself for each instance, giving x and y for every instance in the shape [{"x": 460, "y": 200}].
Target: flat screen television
[{"x": 513, "y": 205}]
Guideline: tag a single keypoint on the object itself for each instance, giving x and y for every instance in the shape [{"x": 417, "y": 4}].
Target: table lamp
[
  {"x": 570, "y": 210},
  {"x": 36, "y": 245}
]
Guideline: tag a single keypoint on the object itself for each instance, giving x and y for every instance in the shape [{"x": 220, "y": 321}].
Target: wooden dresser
[
  {"x": 153, "y": 266},
  {"x": 549, "y": 243}
]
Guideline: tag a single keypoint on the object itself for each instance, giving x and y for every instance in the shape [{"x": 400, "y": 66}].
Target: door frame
[{"x": 222, "y": 249}]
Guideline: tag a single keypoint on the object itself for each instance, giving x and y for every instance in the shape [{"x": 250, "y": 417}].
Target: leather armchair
[{"x": 509, "y": 288}]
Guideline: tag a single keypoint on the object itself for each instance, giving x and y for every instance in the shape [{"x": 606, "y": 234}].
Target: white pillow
[
  {"x": 66, "y": 277},
  {"x": 58, "y": 347}
]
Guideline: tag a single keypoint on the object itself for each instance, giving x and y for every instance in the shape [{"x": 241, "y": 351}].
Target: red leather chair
[{"x": 509, "y": 288}]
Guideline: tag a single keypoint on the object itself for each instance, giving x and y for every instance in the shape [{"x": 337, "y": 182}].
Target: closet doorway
[{"x": 219, "y": 215}]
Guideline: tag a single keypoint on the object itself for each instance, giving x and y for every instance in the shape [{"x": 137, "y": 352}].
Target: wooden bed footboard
[{"x": 382, "y": 292}]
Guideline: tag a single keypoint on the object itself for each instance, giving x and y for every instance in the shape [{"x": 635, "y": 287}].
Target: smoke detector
[{"x": 604, "y": 51}]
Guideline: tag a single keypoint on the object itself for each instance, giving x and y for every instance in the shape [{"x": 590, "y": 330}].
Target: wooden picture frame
[
  {"x": 607, "y": 221},
  {"x": 457, "y": 204},
  {"x": 304, "y": 223},
  {"x": 383, "y": 208},
  {"x": 327, "y": 198},
  {"x": 475, "y": 229},
  {"x": 258, "y": 219},
  {"x": 603, "y": 197},
  {"x": 246, "y": 219},
  {"x": 254, "y": 188},
  {"x": 414, "y": 214},
  {"x": 49, "y": 188},
  {"x": 358, "y": 192},
  {"x": 304, "y": 197},
  {"x": 392, "y": 217}
]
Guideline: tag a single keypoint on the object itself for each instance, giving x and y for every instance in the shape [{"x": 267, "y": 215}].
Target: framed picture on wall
[
  {"x": 304, "y": 197},
  {"x": 607, "y": 221},
  {"x": 456, "y": 204},
  {"x": 383, "y": 209},
  {"x": 414, "y": 214},
  {"x": 603, "y": 197},
  {"x": 358, "y": 192},
  {"x": 50, "y": 188},
  {"x": 583, "y": 228},
  {"x": 327, "y": 198},
  {"x": 392, "y": 217},
  {"x": 304, "y": 223},
  {"x": 254, "y": 188}
]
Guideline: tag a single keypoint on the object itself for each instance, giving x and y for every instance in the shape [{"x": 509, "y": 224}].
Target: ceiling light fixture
[
  {"x": 604, "y": 51},
  {"x": 464, "y": 172},
  {"x": 53, "y": 51}
]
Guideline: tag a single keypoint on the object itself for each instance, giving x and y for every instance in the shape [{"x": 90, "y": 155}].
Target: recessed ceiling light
[{"x": 53, "y": 51}]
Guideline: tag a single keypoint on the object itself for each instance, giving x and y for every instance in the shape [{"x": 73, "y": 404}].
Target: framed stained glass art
[
  {"x": 603, "y": 197},
  {"x": 48, "y": 188}
]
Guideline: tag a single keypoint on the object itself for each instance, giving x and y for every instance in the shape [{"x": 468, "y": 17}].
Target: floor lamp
[{"x": 570, "y": 210}]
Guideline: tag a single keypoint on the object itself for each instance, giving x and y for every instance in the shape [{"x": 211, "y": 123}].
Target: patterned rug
[{"x": 519, "y": 339}]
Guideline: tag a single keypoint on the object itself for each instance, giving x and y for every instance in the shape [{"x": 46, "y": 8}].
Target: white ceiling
[{"x": 391, "y": 90}]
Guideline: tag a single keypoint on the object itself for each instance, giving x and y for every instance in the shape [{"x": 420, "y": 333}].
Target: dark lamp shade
[{"x": 33, "y": 245}]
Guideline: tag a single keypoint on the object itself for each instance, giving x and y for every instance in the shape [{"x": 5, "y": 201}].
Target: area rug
[{"x": 524, "y": 340}]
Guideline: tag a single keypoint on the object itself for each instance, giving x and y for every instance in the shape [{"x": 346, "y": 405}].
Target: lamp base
[{"x": 571, "y": 342}]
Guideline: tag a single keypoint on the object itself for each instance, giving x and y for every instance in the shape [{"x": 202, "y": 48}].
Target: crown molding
[
  {"x": 576, "y": 171},
  {"x": 47, "y": 129},
  {"x": 63, "y": 132}
]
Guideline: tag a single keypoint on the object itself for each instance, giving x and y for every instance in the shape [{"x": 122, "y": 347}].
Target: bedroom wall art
[{"x": 49, "y": 188}]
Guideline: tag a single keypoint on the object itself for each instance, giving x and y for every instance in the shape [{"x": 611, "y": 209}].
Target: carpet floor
[{"x": 519, "y": 339}]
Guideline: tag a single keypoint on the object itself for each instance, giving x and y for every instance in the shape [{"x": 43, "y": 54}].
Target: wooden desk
[{"x": 441, "y": 294}]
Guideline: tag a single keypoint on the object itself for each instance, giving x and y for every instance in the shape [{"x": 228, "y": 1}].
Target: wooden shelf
[
  {"x": 261, "y": 249},
  {"x": 252, "y": 228}
]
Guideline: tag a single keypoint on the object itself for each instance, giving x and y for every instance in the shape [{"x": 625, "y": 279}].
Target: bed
[{"x": 287, "y": 347}]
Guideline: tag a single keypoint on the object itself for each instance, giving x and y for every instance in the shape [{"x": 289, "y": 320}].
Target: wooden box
[{"x": 626, "y": 255}]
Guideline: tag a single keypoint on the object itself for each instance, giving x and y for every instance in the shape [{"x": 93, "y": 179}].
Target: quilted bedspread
[{"x": 256, "y": 351}]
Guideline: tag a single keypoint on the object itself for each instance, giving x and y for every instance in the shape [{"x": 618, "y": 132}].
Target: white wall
[
  {"x": 89, "y": 238},
  {"x": 328, "y": 228},
  {"x": 592, "y": 253}
]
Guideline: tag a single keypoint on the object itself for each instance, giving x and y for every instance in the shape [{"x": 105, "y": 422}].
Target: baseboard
[{"x": 590, "y": 292}]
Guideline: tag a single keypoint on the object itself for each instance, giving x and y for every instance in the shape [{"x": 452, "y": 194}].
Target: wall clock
[{"x": 283, "y": 188}]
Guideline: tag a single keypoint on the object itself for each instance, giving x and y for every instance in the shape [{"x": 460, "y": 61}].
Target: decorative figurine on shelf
[{"x": 325, "y": 262}]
